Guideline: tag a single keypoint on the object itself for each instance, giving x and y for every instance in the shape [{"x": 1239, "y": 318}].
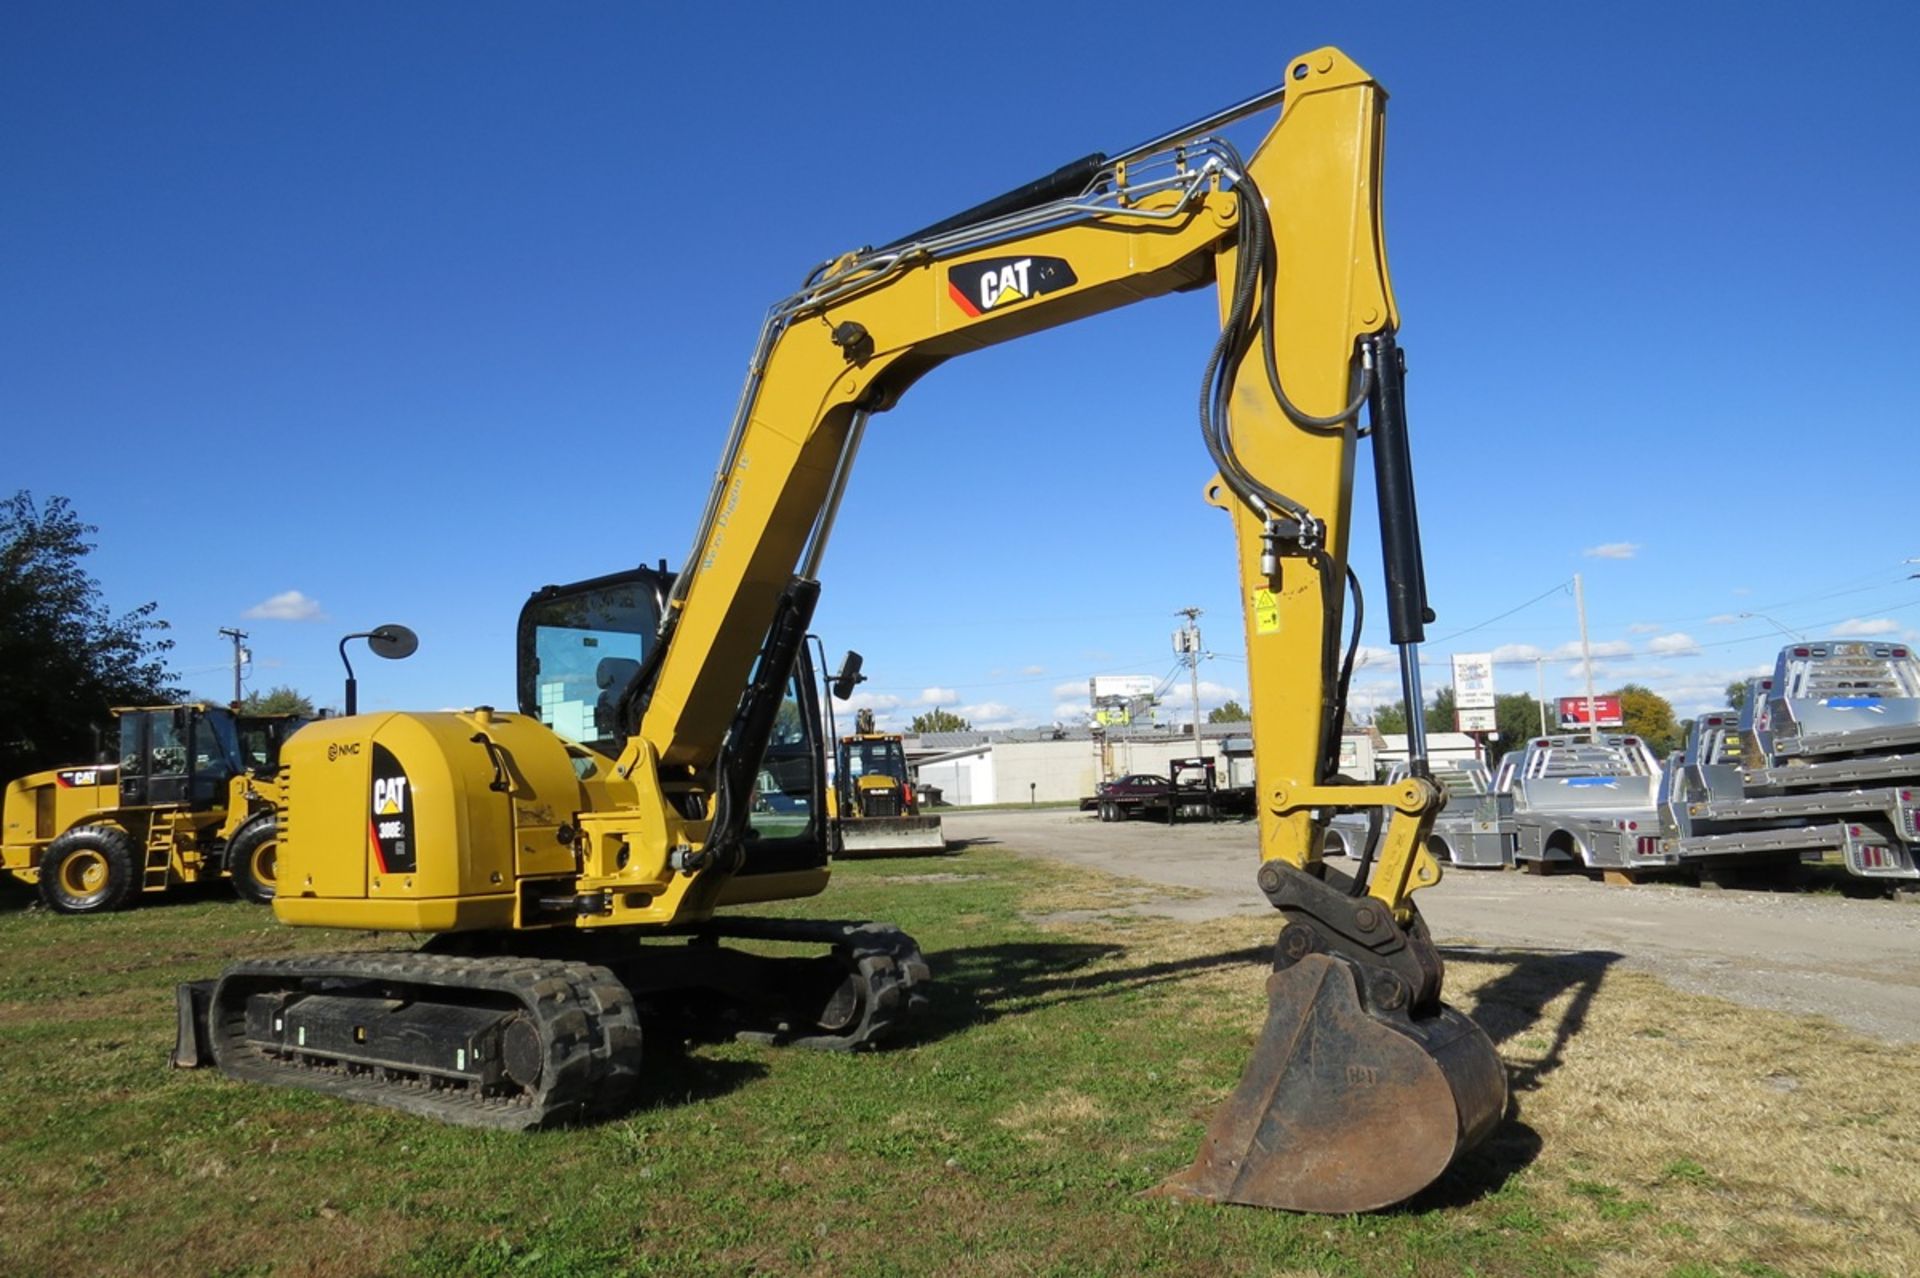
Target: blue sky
[{"x": 410, "y": 309}]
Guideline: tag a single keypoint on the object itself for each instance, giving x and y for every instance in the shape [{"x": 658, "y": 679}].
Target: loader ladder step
[{"x": 159, "y": 856}]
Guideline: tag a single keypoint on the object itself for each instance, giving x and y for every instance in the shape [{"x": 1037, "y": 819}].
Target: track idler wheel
[{"x": 1342, "y": 1108}]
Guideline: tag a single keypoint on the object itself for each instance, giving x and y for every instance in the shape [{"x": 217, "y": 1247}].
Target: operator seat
[{"x": 613, "y": 674}]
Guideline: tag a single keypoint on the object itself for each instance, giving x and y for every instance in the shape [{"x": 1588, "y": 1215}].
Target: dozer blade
[
  {"x": 892, "y": 836},
  {"x": 1343, "y": 1111}
]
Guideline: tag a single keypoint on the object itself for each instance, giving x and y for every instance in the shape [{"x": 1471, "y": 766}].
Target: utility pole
[
  {"x": 1540, "y": 684},
  {"x": 1586, "y": 659},
  {"x": 240, "y": 656},
  {"x": 1186, "y": 641}
]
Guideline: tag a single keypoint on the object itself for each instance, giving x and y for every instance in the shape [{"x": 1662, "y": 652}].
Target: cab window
[
  {"x": 587, "y": 648},
  {"x": 166, "y": 746},
  {"x": 783, "y": 799}
]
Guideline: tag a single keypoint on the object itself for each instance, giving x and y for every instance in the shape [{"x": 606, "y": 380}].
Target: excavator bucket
[
  {"x": 1342, "y": 1110},
  {"x": 892, "y": 836}
]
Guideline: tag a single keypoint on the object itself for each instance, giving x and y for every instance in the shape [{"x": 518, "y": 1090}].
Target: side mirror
[{"x": 849, "y": 677}]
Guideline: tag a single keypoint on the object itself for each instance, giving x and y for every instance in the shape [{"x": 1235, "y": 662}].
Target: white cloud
[
  {"x": 882, "y": 704},
  {"x": 1179, "y": 698},
  {"x": 1369, "y": 657},
  {"x": 1069, "y": 689},
  {"x": 1677, "y": 644},
  {"x": 1570, "y": 651},
  {"x": 1033, "y": 670},
  {"x": 989, "y": 714},
  {"x": 288, "y": 605},
  {"x": 1364, "y": 698},
  {"x": 1509, "y": 653},
  {"x": 938, "y": 696},
  {"x": 1071, "y": 712},
  {"x": 1641, "y": 672},
  {"x": 1724, "y": 619},
  {"x": 1613, "y": 550},
  {"x": 1861, "y": 627},
  {"x": 1643, "y": 628}
]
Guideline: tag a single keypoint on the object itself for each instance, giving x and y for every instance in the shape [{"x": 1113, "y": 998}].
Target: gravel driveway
[{"x": 1856, "y": 961}]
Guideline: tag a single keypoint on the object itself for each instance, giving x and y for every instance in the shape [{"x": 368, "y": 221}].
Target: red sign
[{"x": 1573, "y": 712}]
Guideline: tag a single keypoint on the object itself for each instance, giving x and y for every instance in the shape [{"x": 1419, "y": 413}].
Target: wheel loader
[
  {"x": 192, "y": 796},
  {"x": 582, "y": 863},
  {"x": 875, "y": 810}
]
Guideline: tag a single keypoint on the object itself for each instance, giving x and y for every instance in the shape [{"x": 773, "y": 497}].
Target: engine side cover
[{"x": 420, "y": 822}]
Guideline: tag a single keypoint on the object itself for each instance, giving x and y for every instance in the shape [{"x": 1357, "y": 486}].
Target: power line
[{"x": 1551, "y": 590}]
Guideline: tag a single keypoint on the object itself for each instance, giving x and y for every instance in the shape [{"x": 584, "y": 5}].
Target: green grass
[{"x": 1065, "y": 1069}]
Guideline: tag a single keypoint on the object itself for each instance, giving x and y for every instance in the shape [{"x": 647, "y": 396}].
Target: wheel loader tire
[
  {"x": 90, "y": 869},
  {"x": 252, "y": 859}
]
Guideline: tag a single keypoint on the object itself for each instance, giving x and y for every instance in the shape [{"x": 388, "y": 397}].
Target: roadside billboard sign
[
  {"x": 1476, "y": 721},
  {"x": 1573, "y": 712},
  {"x": 1472, "y": 681},
  {"x": 1125, "y": 687}
]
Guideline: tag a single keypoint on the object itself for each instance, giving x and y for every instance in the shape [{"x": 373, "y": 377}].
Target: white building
[{"x": 1064, "y": 764}]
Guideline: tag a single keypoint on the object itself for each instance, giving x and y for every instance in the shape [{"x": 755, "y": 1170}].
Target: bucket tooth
[{"x": 1342, "y": 1109}]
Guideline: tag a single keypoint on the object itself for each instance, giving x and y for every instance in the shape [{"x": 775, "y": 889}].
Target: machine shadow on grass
[
  {"x": 977, "y": 985},
  {"x": 1510, "y": 1004},
  {"x": 676, "y": 1075},
  {"x": 981, "y": 984}
]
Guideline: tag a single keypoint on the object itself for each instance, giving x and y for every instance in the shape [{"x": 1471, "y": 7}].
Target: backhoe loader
[
  {"x": 192, "y": 796},
  {"x": 871, "y": 799},
  {"x": 579, "y": 860}
]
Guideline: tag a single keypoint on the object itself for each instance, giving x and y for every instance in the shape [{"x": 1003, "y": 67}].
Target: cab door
[
  {"x": 133, "y": 759},
  {"x": 169, "y": 756}
]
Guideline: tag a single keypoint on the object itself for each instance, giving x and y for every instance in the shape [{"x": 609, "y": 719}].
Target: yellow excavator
[{"x": 579, "y": 861}]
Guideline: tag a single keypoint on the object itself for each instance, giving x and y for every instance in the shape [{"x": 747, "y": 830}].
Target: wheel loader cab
[{"x": 177, "y": 755}]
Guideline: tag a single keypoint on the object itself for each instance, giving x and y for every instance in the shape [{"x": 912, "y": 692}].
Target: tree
[
  {"x": 65, "y": 659},
  {"x": 278, "y": 700},
  {"x": 1518, "y": 716},
  {"x": 1440, "y": 715},
  {"x": 1391, "y": 718},
  {"x": 938, "y": 720},
  {"x": 1737, "y": 694},
  {"x": 1647, "y": 715},
  {"x": 1231, "y": 712}
]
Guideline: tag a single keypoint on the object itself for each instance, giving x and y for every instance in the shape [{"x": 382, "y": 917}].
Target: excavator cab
[{"x": 583, "y": 648}]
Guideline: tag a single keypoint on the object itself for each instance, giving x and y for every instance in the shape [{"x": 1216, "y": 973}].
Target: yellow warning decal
[{"x": 1266, "y": 612}]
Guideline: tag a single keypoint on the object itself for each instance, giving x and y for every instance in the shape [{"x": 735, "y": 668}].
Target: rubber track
[
  {"x": 887, "y": 961},
  {"x": 589, "y": 1032}
]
